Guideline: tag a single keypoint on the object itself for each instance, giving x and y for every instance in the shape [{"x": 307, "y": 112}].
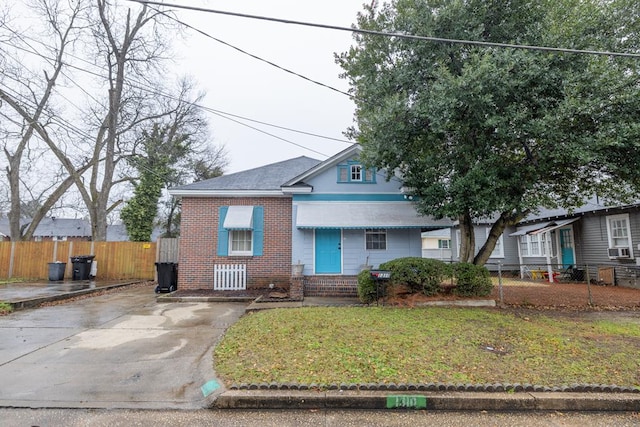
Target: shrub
[
  {"x": 5, "y": 308},
  {"x": 419, "y": 274},
  {"x": 367, "y": 288},
  {"x": 471, "y": 280}
]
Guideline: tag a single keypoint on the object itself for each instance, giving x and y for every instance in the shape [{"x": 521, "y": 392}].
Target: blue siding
[
  {"x": 370, "y": 197},
  {"x": 326, "y": 182},
  {"x": 400, "y": 242}
]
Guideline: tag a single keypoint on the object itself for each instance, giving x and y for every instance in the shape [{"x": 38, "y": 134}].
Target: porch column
[
  {"x": 296, "y": 289},
  {"x": 546, "y": 237}
]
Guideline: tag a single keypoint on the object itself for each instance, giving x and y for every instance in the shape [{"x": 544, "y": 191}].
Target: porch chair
[{"x": 564, "y": 275}]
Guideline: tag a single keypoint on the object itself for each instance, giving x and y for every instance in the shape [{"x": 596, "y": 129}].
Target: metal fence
[{"x": 545, "y": 285}]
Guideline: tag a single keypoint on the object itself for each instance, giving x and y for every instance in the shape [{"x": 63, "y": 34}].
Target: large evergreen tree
[{"x": 495, "y": 132}]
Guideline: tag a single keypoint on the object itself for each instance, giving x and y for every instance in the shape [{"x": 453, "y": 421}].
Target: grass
[
  {"x": 373, "y": 345},
  {"x": 14, "y": 280},
  {"x": 5, "y": 308}
]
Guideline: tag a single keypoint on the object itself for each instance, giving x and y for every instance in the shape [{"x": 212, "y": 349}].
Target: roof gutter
[{"x": 227, "y": 193}]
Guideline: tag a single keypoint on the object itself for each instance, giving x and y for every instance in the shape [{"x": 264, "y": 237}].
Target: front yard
[{"x": 363, "y": 345}]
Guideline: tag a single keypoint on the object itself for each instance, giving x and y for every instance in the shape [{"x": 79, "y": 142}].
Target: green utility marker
[
  {"x": 406, "y": 401},
  {"x": 209, "y": 387}
]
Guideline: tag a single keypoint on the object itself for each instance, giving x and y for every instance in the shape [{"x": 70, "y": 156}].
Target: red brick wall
[{"x": 199, "y": 242}]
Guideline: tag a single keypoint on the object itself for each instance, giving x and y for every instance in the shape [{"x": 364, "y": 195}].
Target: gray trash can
[
  {"x": 81, "y": 266},
  {"x": 56, "y": 271}
]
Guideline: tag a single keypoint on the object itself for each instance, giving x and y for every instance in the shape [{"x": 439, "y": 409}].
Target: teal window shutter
[
  {"x": 223, "y": 234},
  {"x": 258, "y": 230}
]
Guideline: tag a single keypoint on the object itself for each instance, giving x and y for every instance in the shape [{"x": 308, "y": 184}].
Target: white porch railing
[
  {"x": 441, "y": 254},
  {"x": 229, "y": 277}
]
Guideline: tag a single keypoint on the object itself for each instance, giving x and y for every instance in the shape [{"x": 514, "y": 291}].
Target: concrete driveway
[{"x": 122, "y": 350}]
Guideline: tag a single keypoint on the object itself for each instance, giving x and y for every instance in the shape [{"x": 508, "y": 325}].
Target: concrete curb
[{"x": 448, "y": 401}]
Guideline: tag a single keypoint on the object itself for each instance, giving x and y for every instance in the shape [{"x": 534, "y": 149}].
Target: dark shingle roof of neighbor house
[
  {"x": 591, "y": 205},
  {"x": 50, "y": 227},
  {"x": 268, "y": 177}
]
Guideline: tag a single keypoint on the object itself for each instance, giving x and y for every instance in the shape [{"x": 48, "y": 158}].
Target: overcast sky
[{"x": 238, "y": 84}]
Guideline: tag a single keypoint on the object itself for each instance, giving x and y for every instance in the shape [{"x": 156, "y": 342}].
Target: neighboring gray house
[
  {"x": 505, "y": 252},
  {"x": 603, "y": 238},
  {"x": 54, "y": 228},
  {"x": 118, "y": 233},
  {"x": 62, "y": 229}
]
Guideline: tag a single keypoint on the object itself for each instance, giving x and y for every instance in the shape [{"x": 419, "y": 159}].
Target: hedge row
[{"x": 426, "y": 276}]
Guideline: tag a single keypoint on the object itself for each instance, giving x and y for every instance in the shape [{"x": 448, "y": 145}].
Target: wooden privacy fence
[{"x": 115, "y": 260}]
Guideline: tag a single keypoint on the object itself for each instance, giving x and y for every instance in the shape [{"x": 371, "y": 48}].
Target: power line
[
  {"x": 255, "y": 56},
  {"x": 390, "y": 34},
  {"x": 219, "y": 113}
]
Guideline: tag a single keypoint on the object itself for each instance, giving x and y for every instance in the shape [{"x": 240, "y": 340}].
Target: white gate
[{"x": 229, "y": 277}]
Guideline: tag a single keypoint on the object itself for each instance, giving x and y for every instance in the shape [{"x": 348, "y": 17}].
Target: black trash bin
[
  {"x": 167, "y": 276},
  {"x": 56, "y": 271},
  {"x": 82, "y": 266}
]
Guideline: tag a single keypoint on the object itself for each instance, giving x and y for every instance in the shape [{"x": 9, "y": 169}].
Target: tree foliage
[
  {"x": 492, "y": 132},
  {"x": 161, "y": 150},
  {"x": 174, "y": 151}
]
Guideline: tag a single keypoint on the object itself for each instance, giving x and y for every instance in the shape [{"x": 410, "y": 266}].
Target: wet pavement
[
  {"x": 120, "y": 350},
  {"x": 30, "y": 294}
]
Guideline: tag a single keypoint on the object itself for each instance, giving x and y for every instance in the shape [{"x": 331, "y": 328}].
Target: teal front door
[
  {"x": 566, "y": 247},
  {"x": 328, "y": 251}
]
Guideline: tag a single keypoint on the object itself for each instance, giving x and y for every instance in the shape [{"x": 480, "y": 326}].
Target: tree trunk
[{"x": 467, "y": 238}]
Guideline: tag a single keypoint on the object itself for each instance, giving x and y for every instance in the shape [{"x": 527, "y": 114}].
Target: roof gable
[{"x": 298, "y": 180}]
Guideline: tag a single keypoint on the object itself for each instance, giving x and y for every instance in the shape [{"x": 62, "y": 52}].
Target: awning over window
[
  {"x": 364, "y": 215},
  {"x": 543, "y": 227},
  {"x": 239, "y": 218}
]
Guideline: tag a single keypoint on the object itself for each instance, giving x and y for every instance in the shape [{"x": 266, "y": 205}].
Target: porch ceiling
[{"x": 543, "y": 227}]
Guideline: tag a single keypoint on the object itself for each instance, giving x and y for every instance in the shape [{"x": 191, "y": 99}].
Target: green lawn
[{"x": 378, "y": 344}]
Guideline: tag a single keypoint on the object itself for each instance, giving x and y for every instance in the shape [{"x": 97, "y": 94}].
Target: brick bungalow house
[{"x": 328, "y": 219}]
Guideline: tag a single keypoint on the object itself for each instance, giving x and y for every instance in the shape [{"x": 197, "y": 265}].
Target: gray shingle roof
[
  {"x": 591, "y": 205},
  {"x": 269, "y": 177},
  {"x": 50, "y": 227}
]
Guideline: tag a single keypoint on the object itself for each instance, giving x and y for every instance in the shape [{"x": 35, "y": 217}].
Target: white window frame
[
  {"x": 444, "y": 243},
  {"x": 233, "y": 252},
  {"x": 611, "y": 239},
  {"x": 498, "y": 251},
  {"x": 532, "y": 246},
  {"x": 356, "y": 173},
  {"x": 377, "y": 231}
]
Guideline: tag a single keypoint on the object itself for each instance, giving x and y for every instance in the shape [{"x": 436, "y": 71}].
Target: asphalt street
[
  {"x": 298, "y": 418},
  {"x": 122, "y": 350}
]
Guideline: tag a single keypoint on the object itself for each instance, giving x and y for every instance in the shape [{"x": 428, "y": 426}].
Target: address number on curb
[{"x": 406, "y": 401}]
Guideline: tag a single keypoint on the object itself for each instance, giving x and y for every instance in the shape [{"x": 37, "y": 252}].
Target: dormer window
[{"x": 355, "y": 173}]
